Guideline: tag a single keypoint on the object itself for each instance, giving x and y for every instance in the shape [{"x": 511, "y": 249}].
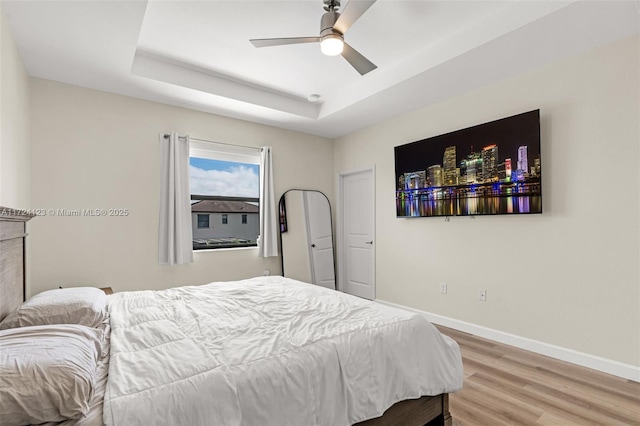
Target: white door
[
  {"x": 356, "y": 228},
  {"x": 320, "y": 239}
]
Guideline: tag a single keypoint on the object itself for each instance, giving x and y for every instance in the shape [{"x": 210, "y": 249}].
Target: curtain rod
[{"x": 166, "y": 136}]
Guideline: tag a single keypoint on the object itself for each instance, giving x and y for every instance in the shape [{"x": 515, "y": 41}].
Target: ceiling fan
[{"x": 333, "y": 26}]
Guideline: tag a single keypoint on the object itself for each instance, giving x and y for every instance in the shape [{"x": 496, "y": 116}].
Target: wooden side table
[{"x": 107, "y": 290}]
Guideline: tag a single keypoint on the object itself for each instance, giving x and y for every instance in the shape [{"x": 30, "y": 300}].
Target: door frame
[{"x": 340, "y": 285}]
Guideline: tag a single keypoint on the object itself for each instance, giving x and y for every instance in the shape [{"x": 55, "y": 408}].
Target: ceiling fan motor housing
[{"x": 326, "y": 25}]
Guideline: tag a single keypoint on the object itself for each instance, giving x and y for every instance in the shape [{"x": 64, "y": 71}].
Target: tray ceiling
[{"x": 197, "y": 54}]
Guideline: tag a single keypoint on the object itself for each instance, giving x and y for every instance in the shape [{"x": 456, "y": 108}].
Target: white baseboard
[{"x": 626, "y": 371}]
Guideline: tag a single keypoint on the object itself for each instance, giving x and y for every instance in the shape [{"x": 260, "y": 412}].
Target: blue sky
[{"x": 215, "y": 177}]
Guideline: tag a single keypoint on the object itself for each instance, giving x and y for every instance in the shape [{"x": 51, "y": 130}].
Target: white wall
[
  {"x": 15, "y": 147},
  {"x": 97, "y": 150},
  {"x": 569, "y": 277}
]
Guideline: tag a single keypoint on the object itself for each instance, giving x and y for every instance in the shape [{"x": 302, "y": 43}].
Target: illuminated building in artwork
[
  {"x": 490, "y": 163},
  {"x": 535, "y": 170},
  {"x": 523, "y": 161},
  {"x": 434, "y": 175},
  {"x": 504, "y": 171},
  {"x": 415, "y": 180},
  {"x": 471, "y": 169},
  {"x": 450, "y": 170},
  {"x": 401, "y": 182},
  {"x": 517, "y": 175}
]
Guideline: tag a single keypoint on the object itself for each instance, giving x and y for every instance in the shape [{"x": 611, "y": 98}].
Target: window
[
  {"x": 203, "y": 221},
  {"x": 225, "y": 183}
]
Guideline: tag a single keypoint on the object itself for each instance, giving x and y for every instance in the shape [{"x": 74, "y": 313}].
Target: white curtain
[
  {"x": 175, "y": 240},
  {"x": 268, "y": 243}
]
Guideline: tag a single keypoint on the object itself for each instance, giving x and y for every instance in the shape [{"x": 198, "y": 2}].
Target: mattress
[{"x": 267, "y": 351}]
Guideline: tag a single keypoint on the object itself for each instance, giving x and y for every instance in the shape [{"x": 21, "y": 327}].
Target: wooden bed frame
[
  {"x": 12, "y": 253},
  {"x": 428, "y": 410}
]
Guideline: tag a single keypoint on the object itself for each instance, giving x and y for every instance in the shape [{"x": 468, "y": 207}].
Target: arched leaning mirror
[{"x": 306, "y": 237}]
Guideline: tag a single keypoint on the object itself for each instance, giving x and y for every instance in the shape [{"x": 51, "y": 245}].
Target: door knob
[
  {"x": 313, "y": 245},
  {"x": 369, "y": 242}
]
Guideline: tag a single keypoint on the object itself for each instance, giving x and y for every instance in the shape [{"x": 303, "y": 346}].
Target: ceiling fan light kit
[
  {"x": 332, "y": 45},
  {"x": 333, "y": 26}
]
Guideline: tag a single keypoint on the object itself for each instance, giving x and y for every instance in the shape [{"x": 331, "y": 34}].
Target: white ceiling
[{"x": 197, "y": 54}]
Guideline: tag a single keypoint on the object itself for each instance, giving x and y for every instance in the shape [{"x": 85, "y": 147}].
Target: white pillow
[
  {"x": 74, "y": 305},
  {"x": 47, "y": 372}
]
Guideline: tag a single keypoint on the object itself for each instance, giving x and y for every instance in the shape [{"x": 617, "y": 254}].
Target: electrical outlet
[
  {"x": 482, "y": 296},
  {"x": 266, "y": 272},
  {"x": 443, "y": 288}
]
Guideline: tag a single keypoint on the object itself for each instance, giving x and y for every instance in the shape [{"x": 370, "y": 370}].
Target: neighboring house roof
[{"x": 209, "y": 206}]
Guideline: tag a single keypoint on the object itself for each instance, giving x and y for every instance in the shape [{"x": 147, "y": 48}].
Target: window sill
[{"x": 224, "y": 249}]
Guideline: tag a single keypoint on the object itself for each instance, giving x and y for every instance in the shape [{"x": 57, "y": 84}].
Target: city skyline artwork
[{"x": 491, "y": 168}]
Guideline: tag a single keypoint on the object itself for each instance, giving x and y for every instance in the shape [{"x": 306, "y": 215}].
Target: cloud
[{"x": 240, "y": 181}]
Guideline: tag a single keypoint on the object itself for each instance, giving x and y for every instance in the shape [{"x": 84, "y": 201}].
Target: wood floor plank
[
  {"x": 585, "y": 404},
  {"x": 533, "y": 399},
  {"x": 548, "y": 419},
  {"x": 577, "y": 386},
  {"x": 504, "y": 385},
  {"x": 581, "y": 377},
  {"x": 507, "y": 409}
]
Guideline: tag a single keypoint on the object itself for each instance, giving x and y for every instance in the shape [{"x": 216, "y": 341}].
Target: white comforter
[{"x": 267, "y": 351}]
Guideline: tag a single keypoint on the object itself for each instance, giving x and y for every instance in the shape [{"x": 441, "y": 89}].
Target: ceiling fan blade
[
  {"x": 359, "y": 62},
  {"x": 352, "y": 11},
  {"x": 266, "y": 42}
]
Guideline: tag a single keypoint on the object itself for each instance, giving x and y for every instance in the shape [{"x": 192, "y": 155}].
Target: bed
[{"x": 272, "y": 351}]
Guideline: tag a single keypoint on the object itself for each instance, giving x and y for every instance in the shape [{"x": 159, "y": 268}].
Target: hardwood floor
[{"x": 504, "y": 385}]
